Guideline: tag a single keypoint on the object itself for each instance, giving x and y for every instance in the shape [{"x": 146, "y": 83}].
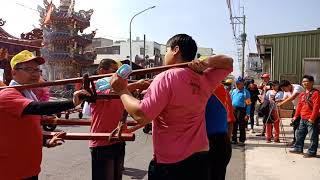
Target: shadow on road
[{"x": 135, "y": 173}]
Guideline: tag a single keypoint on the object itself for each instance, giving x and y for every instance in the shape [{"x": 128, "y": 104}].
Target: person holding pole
[
  {"x": 176, "y": 101},
  {"x": 20, "y": 130}
]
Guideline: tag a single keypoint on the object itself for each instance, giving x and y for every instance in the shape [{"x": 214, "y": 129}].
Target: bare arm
[
  {"x": 291, "y": 98},
  {"x": 219, "y": 62},
  {"x": 141, "y": 85},
  {"x": 215, "y": 62},
  {"x": 132, "y": 105}
]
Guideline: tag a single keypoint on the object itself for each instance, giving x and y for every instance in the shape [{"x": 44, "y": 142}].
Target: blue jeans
[
  {"x": 305, "y": 127},
  {"x": 107, "y": 162}
]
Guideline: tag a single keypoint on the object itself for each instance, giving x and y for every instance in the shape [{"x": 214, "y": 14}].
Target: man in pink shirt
[
  {"x": 108, "y": 157},
  {"x": 176, "y": 101}
]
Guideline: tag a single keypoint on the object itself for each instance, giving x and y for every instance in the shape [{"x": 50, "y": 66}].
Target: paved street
[{"x": 72, "y": 160}]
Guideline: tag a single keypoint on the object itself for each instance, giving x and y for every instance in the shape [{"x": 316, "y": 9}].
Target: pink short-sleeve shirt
[{"x": 176, "y": 101}]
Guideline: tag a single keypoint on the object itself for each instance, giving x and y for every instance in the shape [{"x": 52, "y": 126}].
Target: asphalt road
[{"x": 72, "y": 161}]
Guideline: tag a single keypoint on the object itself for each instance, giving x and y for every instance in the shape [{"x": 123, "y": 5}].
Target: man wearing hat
[
  {"x": 265, "y": 82},
  {"x": 241, "y": 104},
  {"x": 20, "y": 130}
]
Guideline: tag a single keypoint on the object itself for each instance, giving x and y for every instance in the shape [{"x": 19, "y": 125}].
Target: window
[
  {"x": 115, "y": 49},
  {"x": 108, "y": 50}
]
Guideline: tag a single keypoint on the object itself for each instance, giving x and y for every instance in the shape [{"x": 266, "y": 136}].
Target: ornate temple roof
[
  {"x": 27, "y": 41},
  {"x": 64, "y": 14}
]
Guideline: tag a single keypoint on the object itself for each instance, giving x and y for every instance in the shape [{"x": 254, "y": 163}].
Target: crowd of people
[
  {"x": 272, "y": 95},
  {"x": 195, "y": 114}
]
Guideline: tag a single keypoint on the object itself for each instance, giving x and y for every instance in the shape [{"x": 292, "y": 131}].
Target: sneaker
[
  {"x": 268, "y": 141},
  {"x": 294, "y": 151},
  {"x": 291, "y": 144},
  {"x": 252, "y": 131},
  {"x": 307, "y": 155},
  {"x": 277, "y": 141}
]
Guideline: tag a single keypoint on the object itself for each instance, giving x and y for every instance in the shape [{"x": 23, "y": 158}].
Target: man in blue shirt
[
  {"x": 218, "y": 116},
  {"x": 241, "y": 104}
]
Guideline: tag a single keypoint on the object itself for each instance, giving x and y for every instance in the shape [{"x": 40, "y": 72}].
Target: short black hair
[
  {"x": 275, "y": 83},
  {"x": 106, "y": 64},
  {"x": 187, "y": 46},
  {"x": 310, "y": 78},
  {"x": 284, "y": 83}
]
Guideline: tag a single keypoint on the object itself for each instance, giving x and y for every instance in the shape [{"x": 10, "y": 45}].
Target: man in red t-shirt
[
  {"x": 20, "y": 130},
  {"x": 107, "y": 157},
  {"x": 308, "y": 109}
]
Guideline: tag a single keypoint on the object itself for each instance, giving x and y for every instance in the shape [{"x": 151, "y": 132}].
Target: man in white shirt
[{"x": 291, "y": 94}]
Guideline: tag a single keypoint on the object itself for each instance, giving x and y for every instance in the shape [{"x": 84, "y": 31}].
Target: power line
[{"x": 26, "y": 7}]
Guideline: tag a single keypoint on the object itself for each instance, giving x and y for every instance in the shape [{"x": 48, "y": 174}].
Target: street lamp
[{"x": 130, "y": 30}]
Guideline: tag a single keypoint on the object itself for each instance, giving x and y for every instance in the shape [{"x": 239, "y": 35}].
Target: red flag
[{"x": 47, "y": 19}]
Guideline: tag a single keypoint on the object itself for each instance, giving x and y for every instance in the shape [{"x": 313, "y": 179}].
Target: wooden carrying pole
[
  {"x": 90, "y": 136},
  {"x": 92, "y": 78},
  {"x": 75, "y": 122}
]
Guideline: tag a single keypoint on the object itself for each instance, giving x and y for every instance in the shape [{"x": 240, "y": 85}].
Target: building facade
[
  {"x": 253, "y": 66},
  {"x": 149, "y": 56},
  {"x": 284, "y": 55}
]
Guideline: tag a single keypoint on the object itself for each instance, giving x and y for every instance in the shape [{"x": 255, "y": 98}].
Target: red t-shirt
[
  {"x": 20, "y": 137},
  {"x": 308, "y": 111},
  {"x": 225, "y": 99},
  {"x": 106, "y": 115}
]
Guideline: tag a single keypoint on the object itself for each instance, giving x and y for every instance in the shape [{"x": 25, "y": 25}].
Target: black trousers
[
  {"x": 239, "y": 114},
  {"x": 107, "y": 162},
  {"x": 252, "y": 110},
  {"x": 195, "y": 167},
  {"x": 220, "y": 152}
]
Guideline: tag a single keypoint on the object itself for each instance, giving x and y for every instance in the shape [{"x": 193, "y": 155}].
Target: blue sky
[{"x": 206, "y": 20}]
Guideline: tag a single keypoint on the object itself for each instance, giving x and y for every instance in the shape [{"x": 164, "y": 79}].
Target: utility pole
[
  {"x": 130, "y": 44},
  {"x": 243, "y": 41},
  {"x": 144, "y": 47},
  {"x": 239, "y": 32}
]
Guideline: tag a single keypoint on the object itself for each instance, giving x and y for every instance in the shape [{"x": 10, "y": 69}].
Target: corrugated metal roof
[{"x": 288, "y": 34}]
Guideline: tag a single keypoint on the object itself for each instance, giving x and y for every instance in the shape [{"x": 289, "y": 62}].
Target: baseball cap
[
  {"x": 240, "y": 80},
  {"x": 25, "y": 56},
  {"x": 265, "y": 75}
]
